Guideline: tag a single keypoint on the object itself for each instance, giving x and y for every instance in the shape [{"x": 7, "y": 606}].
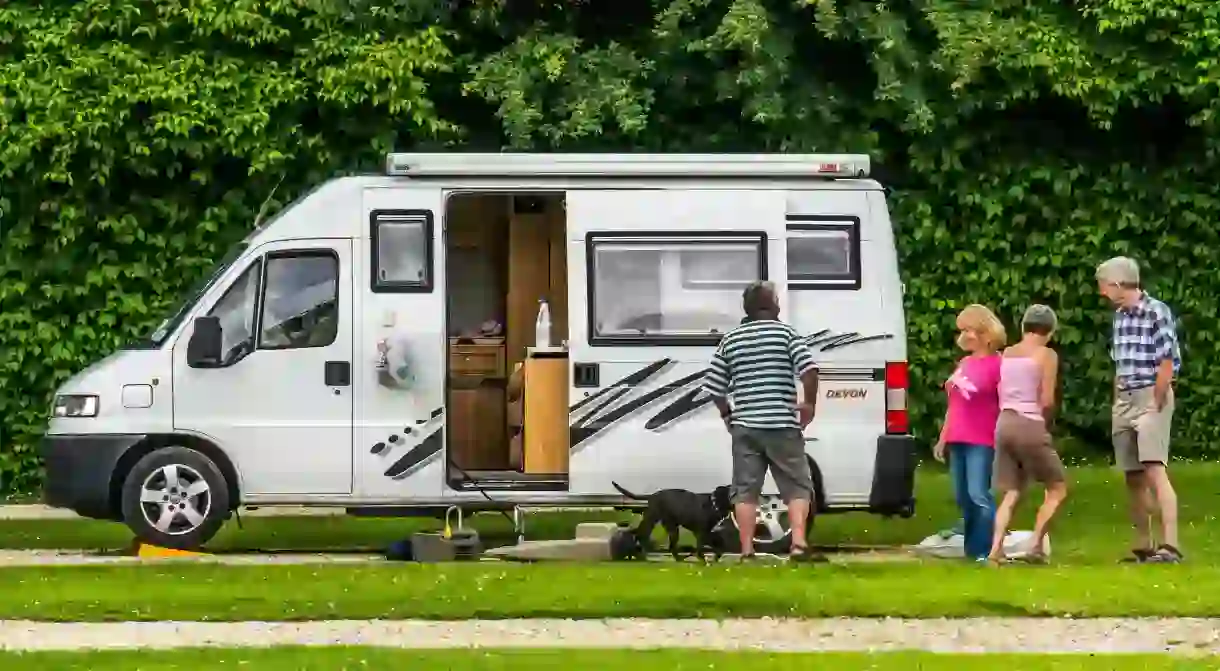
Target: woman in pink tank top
[
  {"x": 969, "y": 429},
  {"x": 1028, "y": 375}
]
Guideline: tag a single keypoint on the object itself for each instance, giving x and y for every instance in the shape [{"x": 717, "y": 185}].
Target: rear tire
[
  {"x": 772, "y": 533},
  {"x": 175, "y": 497}
]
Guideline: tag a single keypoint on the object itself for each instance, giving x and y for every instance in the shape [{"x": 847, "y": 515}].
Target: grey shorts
[{"x": 781, "y": 449}]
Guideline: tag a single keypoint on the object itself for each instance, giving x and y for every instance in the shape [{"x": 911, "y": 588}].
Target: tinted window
[
  {"x": 235, "y": 309},
  {"x": 823, "y": 255},
  {"x": 686, "y": 287},
  {"x": 402, "y": 251},
  {"x": 300, "y": 301}
]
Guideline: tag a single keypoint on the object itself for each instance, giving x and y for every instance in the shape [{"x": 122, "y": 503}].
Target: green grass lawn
[
  {"x": 1093, "y": 527},
  {"x": 342, "y": 659},
  {"x": 461, "y": 591},
  {"x": 1085, "y": 580}
]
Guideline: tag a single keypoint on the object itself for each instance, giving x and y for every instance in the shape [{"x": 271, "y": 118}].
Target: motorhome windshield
[{"x": 171, "y": 324}]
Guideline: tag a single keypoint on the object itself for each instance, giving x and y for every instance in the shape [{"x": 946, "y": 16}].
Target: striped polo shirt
[
  {"x": 1143, "y": 336},
  {"x": 757, "y": 365}
]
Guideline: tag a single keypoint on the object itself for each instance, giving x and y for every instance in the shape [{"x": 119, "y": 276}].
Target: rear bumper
[
  {"x": 893, "y": 491},
  {"x": 78, "y": 471}
]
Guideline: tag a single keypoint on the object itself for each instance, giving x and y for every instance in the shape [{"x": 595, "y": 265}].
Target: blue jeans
[{"x": 971, "y": 469}]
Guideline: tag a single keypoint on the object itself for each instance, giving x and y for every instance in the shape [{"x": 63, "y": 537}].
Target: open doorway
[{"x": 504, "y": 252}]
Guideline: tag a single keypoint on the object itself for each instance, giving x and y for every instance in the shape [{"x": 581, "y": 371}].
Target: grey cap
[{"x": 1041, "y": 316}]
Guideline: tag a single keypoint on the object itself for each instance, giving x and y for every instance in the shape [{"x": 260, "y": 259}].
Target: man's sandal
[
  {"x": 1166, "y": 554},
  {"x": 1139, "y": 556},
  {"x": 801, "y": 554}
]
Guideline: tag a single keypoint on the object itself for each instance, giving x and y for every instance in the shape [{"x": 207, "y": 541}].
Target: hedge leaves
[{"x": 1026, "y": 142}]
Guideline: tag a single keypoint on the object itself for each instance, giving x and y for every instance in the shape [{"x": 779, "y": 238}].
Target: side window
[
  {"x": 300, "y": 301},
  {"x": 667, "y": 288},
  {"x": 235, "y": 310},
  {"x": 823, "y": 253},
  {"x": 402, "y": 251},
  {"x": 719, "y": 267}
]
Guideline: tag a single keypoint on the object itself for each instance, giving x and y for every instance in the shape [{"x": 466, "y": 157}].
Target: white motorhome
[{"x": 359, "y": 349}]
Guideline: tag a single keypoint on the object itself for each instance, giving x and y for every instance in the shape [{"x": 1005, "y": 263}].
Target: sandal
[
  {"x": 801, "y": 554},
  {"x": 1138, "y": 556},
  {"x": 1039, "y": 557},
  {"x": 1166, "y": 554},
  {"x": 997, "y": 560}
]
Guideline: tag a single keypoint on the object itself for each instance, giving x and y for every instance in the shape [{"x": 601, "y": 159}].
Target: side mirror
[{"x": 203, "y": 349}]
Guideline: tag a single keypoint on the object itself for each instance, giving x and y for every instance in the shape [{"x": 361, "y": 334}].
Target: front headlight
[{"x": 75, "y": 405}]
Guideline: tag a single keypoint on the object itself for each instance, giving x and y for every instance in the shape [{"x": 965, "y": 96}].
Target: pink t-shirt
[{"x": 974, "y": 400}]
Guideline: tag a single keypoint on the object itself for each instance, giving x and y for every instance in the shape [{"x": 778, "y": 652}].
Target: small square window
[
  {"x": 823, "y": 254},
  {"x": 402, "y": 251}
]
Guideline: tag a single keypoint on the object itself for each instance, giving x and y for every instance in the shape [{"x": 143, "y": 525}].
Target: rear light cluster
[{"x": 896, "y": 384}]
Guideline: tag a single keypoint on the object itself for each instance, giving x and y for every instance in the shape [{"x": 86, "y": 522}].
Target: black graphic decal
[
  {"x": 855, "y": 339},
  {"x": 417, "y": 456},
  {"x": 381, "y": 447},
  {"x": 594, "y": 422},
  {"x": 686, "y": 405},
  {"x": 621, "y": 386},
  {"x": 825, "y": 340}
]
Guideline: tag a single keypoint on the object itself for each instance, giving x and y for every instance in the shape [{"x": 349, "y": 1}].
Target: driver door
[{"x": 281, "y": 406}]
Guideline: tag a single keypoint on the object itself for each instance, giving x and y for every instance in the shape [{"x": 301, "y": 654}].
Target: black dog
[{"x": 674, "y": 509}]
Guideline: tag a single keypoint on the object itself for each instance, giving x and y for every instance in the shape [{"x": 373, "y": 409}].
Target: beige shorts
[{"x": 1139, "y": 432}]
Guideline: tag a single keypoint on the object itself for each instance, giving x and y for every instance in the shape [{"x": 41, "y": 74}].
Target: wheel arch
[
  {"x": 819, "y": 486},
  {"x": 154, "y": 442}
]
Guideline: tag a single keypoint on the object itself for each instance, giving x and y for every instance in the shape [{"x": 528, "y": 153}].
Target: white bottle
[{"x": 542, "y": 326}]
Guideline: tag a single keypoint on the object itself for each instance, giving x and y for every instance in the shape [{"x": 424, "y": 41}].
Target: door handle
[{"x": 338, "y": 373}]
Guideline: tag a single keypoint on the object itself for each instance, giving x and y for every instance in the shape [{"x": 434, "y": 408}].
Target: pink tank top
[{"x": 1020, "y": 382}]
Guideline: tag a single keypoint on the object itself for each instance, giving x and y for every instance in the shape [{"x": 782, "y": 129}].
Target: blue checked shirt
[{"x": 1143, "y": 337}]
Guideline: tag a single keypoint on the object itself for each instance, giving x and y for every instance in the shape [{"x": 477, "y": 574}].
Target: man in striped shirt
[
  {"x": 1144, "y": 346},
  {"x": 757, "y": 364}
]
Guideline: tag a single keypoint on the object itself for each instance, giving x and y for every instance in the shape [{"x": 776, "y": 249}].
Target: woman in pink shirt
[{"x": 968, "y": 433}]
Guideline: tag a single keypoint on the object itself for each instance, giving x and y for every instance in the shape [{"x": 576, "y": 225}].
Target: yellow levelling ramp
[{"x": 144, "y": 550}]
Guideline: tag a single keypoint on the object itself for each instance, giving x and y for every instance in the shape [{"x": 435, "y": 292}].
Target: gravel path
[{"x": 1181, "y": 636}]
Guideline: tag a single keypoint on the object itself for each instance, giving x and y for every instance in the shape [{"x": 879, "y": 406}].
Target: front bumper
[
  {"x": 79, "y": 469},
  {"x": 893, "y": 491}
]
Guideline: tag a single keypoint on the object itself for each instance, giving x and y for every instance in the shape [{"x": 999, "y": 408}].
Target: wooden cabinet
[
  {"x": 476, "y": 360},
  {"x": 477, "y": 431},
  {"x": 546, "y": 413}
]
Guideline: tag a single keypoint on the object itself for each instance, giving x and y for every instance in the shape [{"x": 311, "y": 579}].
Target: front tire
[{"x": 175, "y": 497}]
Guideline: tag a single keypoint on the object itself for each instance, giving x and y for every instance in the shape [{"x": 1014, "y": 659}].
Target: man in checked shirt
[{"x": 1144, "y": 346}]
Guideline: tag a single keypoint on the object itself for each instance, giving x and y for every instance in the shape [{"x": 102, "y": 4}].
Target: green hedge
[{"x": 1025, "y": 143}]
